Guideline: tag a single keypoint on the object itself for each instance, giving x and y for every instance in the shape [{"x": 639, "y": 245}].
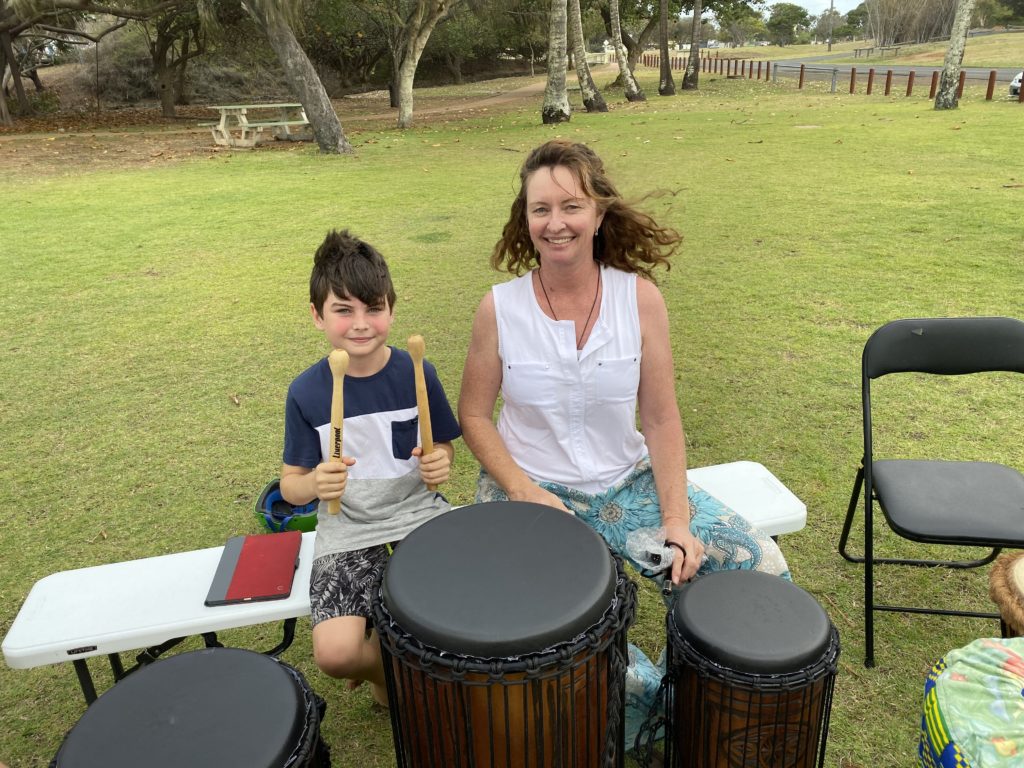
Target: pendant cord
[{"x": 590, "y": 314}]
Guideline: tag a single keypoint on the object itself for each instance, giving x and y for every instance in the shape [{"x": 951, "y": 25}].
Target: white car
[{"x": 1015, "y": 84}]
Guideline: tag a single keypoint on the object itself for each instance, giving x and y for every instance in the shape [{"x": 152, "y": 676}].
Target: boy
[{"x": 382, "y": 478}]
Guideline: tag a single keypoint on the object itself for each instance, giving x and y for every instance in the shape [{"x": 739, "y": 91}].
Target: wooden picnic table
[
  {"x": 866, "y": 51},
  {"x": 239, "y": 127},
  {"x": 893, "y": 49}
]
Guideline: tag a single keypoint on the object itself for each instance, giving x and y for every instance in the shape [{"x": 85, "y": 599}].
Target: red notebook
[{"x": 260, "y": 567}]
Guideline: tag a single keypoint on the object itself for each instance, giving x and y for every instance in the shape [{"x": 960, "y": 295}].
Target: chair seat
[{"x": 926, "y": 501}]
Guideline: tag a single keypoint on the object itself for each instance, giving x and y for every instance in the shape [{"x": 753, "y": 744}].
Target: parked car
[{"x": 1015, "y": 84}]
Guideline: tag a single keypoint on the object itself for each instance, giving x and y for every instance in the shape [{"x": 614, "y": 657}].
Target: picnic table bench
[
  {"x": 155, "y": 602},
  {"x": 239, "y": 127},
  {"x": 893, "y": 49}
]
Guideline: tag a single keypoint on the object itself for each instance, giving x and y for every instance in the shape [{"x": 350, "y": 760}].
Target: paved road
[{"x": 821, "y": 67}]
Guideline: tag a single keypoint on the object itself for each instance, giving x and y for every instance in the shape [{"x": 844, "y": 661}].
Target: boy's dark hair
[{"x": 350, "y": 268}]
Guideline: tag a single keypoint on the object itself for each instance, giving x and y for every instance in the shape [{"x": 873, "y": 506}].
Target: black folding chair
[{"x": 958, "y": 503}]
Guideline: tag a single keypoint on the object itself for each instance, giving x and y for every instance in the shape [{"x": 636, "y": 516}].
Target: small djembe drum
[
  {"x": 752, "y": 661},
  {"x": 503, "y": 628},
  {"x": 209, "y": 708},
  {"x": 1006, "y": 587}
]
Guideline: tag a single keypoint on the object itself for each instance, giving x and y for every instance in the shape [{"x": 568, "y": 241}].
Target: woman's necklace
[{"x": 590, "y": 314}]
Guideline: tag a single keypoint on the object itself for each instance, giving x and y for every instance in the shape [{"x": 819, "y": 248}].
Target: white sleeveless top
[{"x": 570, "y": 417}]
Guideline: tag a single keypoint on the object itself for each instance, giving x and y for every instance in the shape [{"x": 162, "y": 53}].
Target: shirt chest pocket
[
  {"x": 529, "y": 384},
  {"x": 615, "y": 380}
]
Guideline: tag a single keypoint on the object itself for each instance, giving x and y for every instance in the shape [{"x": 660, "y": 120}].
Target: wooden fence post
[
  {"x": 871, "y": 79},
  {"x": 991, "y": 85},
  {"x": 910, "y": 83},
  {"x": 960, "y": 85},
  {"x": 759, "y": 70},
  {"x": 802, "y": 66},
  {"x": 853, "y": 79},
  {"x": 935, "y": 84},
  {"x": 888, "y": 82}
]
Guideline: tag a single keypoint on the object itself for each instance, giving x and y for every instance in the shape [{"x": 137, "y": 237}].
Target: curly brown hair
[{"x": 628, "y": 239}]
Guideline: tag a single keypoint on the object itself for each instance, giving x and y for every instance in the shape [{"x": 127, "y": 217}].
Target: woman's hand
[
  {"x": 688, "y": 549},
  {"x": 435, "y": 467},
  {"x": 537, "y": 495}
]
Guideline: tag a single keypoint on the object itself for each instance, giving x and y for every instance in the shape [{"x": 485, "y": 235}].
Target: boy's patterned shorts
[{"x": 341, "y": 584}]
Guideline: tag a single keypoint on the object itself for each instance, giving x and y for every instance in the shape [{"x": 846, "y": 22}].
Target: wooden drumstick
[
  {"x": 338, "y": 360},
  {"x": 416, "y": 350}
]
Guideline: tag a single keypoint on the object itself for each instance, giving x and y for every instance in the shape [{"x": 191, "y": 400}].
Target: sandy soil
[{"x": 80, "y": 138}]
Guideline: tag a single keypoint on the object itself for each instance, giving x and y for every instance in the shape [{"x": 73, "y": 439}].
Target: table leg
[
  {"x": 116, "y": 666},
  {"x": 85, "y": 680},
  {"x": 286, "y": 641}
]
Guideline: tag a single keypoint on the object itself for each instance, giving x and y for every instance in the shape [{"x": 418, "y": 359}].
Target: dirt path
[{"x": 123, "y": 138}]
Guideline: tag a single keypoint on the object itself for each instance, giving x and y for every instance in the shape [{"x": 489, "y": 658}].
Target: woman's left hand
[{"x": 689, "y": 552}]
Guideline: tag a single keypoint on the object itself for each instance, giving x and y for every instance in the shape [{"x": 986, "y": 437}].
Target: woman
[{"x": 576, "y": 346}]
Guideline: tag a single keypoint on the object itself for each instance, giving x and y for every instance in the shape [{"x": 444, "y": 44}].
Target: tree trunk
[
  {"x": 19, "y": 88},
  {"x": 165, "y": 87},
  {"x": 556, "y": 99},
  {"x": 692, "y": 75},
  {"x": 633, "y": 92},
  {"x": 946, "y": 97},
  {"x": 305, "y": 84},
  {"x": 5, "y": 114},
  {"x": 180, "y": 94},
  {"x": 419, "y": 27},
  {"x": 593, "y": 101},
  {"x": 666, "y": 85}
]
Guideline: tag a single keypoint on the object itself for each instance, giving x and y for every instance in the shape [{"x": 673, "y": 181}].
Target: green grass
[{"x": 151, "y": 320}]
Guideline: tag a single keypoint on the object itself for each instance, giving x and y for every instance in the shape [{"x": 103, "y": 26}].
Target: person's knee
[
  {"x": 338, "y": 649},
  {"x": 337, "y": 660}
]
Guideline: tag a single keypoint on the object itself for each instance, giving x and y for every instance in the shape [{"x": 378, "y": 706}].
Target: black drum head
[
  {"x": 499, "y": 579},
  {"x": 752, "y": 622}
]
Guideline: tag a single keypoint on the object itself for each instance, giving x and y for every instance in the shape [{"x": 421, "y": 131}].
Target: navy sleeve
[{"x": 301, "y": 440}]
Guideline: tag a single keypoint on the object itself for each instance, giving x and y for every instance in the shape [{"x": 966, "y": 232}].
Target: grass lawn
[{"x": 151, "y": 319}]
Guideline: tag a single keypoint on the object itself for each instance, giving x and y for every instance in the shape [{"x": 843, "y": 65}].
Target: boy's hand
[
  {"x": 435, "y": 467},
  {"x": 331, "y": 478}
]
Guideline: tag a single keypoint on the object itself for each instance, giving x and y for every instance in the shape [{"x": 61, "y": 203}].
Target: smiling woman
[{"x": 578, "y": 346}]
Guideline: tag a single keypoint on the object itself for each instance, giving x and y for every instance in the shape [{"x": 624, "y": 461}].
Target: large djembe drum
[
  {"x": 503, "y": 628},
  {"x": 752, "y": 660},
  {"x": 209, "y": 708}
]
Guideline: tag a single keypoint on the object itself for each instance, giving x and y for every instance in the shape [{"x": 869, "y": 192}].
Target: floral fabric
[{"x": 973, "y": 715}]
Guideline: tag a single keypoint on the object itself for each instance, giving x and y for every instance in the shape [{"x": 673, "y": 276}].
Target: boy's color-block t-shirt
[{"x": 384, "y": 497}]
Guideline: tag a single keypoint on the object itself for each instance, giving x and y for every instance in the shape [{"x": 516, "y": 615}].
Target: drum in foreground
[
  {"x": 1006, "y": 588},
  {"x": 209, "y": 708},
  {"x": 503, "y": 628},
  {"x": 752, "y": 660}
]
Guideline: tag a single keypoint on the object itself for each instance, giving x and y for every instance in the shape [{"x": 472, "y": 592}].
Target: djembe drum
[
  {"x": 752, "y": 660},
  {"x": 1006, "y": 588},
  {"x": 209, "y": 708},
  {"x": 503, "y": 627}
]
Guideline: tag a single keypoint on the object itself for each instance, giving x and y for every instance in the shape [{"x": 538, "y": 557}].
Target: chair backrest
[{"x": 946, "y": 346}]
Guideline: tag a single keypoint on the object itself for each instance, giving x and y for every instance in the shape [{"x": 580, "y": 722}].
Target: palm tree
[
  {"x": 946, "y": 97},
  {"x": 690, "y": 76},
  {"x": 556, "y": 99},
  {"x": 633, "y": 92},
  {"x": 593, "y": 101},
  {"x": 666, "y": 86}
]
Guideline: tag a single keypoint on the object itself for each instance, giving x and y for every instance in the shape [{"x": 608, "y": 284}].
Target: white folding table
[
  {"x": 151, "y": 603},
  {"x": 155, "y": 602}
]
